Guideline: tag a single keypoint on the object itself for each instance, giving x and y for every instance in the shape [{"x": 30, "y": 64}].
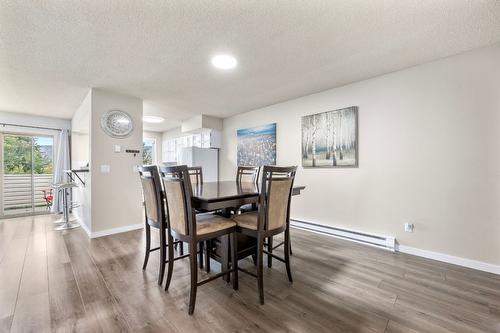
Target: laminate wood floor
[{"x": 64, "y": 282}]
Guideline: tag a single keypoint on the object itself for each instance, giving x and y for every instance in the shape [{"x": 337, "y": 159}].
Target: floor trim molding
[
  {"x": 464, "y": 262},
  {"x": 85, "y": 228},
  {"x": 352, "y": 236},
  {"x": 107, "y": 232}
]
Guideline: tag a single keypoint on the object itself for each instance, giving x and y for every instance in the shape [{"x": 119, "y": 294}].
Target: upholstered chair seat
[
  {"x": 206, "y": 224},
  {"x": 247, "y": 220}
]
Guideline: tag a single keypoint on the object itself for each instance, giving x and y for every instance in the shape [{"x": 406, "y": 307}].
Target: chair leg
[
  {"x": 200, "y": 254},
  {"x": 260, "y": 272},
  {"x": 194, "y": 276},
  {"x": 208, "y": 252},
  {"x": 181, "y": 248},
  {"x": 287, "y": 251},
  {"x": 163, "y": 254},
  {"x": 290, "y": 241},
  {"x": 234, "y": 259},
  {"x": 170, "y": 265},
  {"x": 270, "y": 250},
  {"x": 148, "y": 246}
]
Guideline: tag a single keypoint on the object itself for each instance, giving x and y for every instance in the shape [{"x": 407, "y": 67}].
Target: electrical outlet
[
  {"x": 409, "y": 227},
  {"x": 105, "y": 168}
]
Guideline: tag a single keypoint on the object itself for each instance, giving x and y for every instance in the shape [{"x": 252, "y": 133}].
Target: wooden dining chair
[
  {"x": 196, "y": 175},
  {"x": 271, "y": 218},
  {"x": 183, "y": 223},
  {"x": 248, "y": 174},
  {"x": 154, "y": 213}
]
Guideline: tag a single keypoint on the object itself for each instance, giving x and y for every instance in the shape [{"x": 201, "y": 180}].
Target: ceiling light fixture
[
  {"x": 224, "y": 61},
  {"x": 153, "y": 119}
]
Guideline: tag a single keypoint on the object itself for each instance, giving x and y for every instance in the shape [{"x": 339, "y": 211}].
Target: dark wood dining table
[{"x": 224, "y": 196}]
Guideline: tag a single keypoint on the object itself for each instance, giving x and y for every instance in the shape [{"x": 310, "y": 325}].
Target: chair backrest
[
  {"x": 247, "y": 174},
  {"x": 195, "y": 175},
  {"x": 153, "y": 195},
  {"x": 276, "y": 193},
  {"x": 178, "y": 194}
]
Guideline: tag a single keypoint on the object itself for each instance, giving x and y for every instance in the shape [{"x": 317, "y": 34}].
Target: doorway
[{"x": 26, "y": 173}]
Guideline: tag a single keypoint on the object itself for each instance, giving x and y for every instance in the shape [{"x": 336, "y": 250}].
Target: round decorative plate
[{"x": 117, "y": 124}]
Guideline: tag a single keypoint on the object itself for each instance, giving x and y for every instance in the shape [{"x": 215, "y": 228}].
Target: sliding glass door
[{"x": 26, "y": 174}]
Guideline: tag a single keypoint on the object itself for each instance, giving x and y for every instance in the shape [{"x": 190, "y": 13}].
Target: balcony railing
[{"x": 17, "y": 192}]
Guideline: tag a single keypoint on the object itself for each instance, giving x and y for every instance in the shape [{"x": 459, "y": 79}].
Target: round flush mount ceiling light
[
  {"x": 224, "y": 61},
  {"x": 152, "y": 119}
]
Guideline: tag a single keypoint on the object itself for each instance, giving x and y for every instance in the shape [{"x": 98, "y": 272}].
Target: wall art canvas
[
  {"x": 330, "y": 139},
  {"x": 257, "y": 145}
]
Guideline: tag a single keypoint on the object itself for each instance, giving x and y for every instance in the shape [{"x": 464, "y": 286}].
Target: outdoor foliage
[
  {"x": 17, "y": 156},
  {"x": 147, "y": 154}
]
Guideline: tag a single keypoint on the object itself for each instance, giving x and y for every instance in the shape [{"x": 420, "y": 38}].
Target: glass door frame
[{"x": 32, "y": 135}]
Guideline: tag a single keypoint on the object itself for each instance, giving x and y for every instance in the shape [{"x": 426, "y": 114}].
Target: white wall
[
  {"x": 429, "y": 139},
  {"x": 80, "y": 156},
  {"x": 31, "y": 120},
  {"x": 110, "y": 202},
  {"x": 116, "y": 196}
]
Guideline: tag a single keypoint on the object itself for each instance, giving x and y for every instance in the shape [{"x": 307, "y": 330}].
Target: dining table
[
  {"x": 225, "y": 197},
  {"x": 227, "y": 194}
]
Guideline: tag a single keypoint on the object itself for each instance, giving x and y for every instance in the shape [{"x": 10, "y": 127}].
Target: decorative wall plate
[{"x": 117, "y": 124}]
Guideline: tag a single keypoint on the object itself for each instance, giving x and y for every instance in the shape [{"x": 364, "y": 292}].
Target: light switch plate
[
  {"x": 118, "y": 148},
  {"x": 105, "y": 168}
]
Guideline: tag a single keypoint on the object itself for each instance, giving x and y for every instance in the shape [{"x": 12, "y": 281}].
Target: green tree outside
[
  {"x": 17, "y": 156},
  {"x": 147, "y": 154}
]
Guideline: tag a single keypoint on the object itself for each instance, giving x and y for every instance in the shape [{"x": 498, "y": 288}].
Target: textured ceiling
[{"x": 51, "y": 52}]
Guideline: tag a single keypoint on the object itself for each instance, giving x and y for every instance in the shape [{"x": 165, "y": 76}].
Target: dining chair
[
  {"x": 154, "y": 214},
  {"x": 184, "y": 224},
  {"x": 271, "y": 218},
  {"x": 248, "y": 174},
  {"x": 196, "y": 175},
  {"x": 269, "y": 243}
]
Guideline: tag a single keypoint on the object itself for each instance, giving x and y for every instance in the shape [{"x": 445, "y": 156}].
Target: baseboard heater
[{"x": 384, "y": 242}]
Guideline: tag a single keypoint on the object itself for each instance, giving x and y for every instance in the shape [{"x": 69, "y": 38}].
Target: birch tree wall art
[{"x": 330, "y": 139}]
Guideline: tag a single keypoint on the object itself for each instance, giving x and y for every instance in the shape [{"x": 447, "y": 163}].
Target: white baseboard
[
  {"x": 469, "y": 263},
  {"x": 113, "y": 231},
  {"x": 84, "y": 227},
  {"x": 377, "y": 241}
]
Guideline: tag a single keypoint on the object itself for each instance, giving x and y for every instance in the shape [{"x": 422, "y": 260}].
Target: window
[
  {"x": 173, "y": 149},
  {"x": 149, "y": 151},
  {"x": 26, "y": 174}
]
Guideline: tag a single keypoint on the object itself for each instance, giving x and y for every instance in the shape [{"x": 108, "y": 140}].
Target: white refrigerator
[{"x": 206, "y": 158}]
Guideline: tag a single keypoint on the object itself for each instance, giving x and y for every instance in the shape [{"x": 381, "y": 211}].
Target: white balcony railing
[{"x": 17, "y": 191}]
